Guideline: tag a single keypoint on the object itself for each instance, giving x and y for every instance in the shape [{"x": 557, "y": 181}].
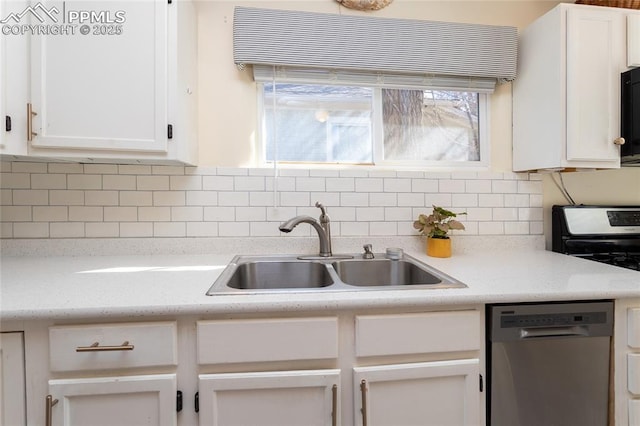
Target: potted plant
[{"x": 436, "y": 226}]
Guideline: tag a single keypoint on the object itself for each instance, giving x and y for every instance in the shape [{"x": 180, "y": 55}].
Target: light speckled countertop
[{"x": 77, "y": 287}]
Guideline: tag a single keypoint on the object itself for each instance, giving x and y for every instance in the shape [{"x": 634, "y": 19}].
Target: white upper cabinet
[
  {"x": 566, "y": 112},
  {"x": 109, "y": 81},
  {"x": 633, "y": 40},
  {"x": 14, "y": 84},
  {"x": 106, "y": 89}
]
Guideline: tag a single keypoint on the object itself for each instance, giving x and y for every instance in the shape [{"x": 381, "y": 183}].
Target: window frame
[{"x": 377, "y": 138}]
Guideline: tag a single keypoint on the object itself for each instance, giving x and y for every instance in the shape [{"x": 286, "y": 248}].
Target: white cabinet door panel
[
  {"x": 107, "y": 401},
  {"x": 279, "y": 398},
  {"x": 430, "y": 393},
  {"x": 594, "y": 39},
  {"x": 105, "y": 90},
  {"x": 12, "y": 380}
]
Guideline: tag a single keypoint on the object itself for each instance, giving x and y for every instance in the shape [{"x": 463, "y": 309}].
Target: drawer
[
  {"x": 420, "y": 333},
  {"x": 633, "y": 329},
  {"x": 634, "y": 412},
  {"x": 633, "y": 380},
  {"x": 262, "y": 340},
  {"x": 111, "y": 346}
]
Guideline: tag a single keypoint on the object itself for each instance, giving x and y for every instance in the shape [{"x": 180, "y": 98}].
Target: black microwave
[{"x": 630, "y": 117}]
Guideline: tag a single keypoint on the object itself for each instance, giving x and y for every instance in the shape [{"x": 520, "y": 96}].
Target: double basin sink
[{"x": 272, "y": 274}]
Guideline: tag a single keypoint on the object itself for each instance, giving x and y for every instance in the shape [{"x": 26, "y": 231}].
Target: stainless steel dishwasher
[{"x": 549, "y": 364}]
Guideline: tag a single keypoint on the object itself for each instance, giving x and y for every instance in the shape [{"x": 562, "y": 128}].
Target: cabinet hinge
[
  {"x": 170, "y": 131},
  {"x": 7, "y": 123},
  {"x": 197, "y": 402},
  {"x": 179, "y": 401},
  {"x": 481, "y": 384}
]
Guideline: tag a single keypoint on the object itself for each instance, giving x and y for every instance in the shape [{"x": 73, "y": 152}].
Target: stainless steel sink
[
  {"x": 264, "y": 275},
  {"x": 383, "y": 272},
  {"x": 346, "y": 272}
]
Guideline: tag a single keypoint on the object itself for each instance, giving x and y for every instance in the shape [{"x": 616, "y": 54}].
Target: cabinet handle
[
  {"x": 30, "y": 115},
  {"x": 95, "y": 347},
  {"x": 619, "y": 141},
  {"x": 363, "y": 392},
  {"x": 334, "y": 405},
  {"x": 50, "y": 402}
]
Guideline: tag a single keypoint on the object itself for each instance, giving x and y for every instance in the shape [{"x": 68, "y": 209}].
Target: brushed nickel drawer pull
[
  {"x": 50, "y": 402},
  {"x": 363, "y": 392},
  {"x": 334, "y": 405},
  {"x": 95, "y": 347}
]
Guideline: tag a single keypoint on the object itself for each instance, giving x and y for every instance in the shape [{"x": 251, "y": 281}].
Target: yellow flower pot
[{"x": 439, "y": 247}]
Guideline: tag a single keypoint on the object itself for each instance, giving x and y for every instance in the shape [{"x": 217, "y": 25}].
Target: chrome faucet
[{"x": 322, "y": 227}]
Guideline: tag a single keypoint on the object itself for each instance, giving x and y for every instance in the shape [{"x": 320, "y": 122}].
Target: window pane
[
  {"x": 318, "y": 123},
  {"x": 430, "y": 125}
]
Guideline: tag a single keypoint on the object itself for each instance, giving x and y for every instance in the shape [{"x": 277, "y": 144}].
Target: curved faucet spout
[{"x": 322, "y": 228}]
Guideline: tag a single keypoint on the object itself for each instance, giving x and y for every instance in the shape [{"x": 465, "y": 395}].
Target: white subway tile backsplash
[
  {"x": 66, "y": 230},
  {"x": 50, "y": 214},
  {"x": 136, "y": 229},
  {"x": 120, "y": 214},
  {"x": 30, "y": 230},
  {"x": 66, "y": 200},
  {"x": 169, "y": 198},
  {"x": 369, "y": 185},
  {"x": 154, "y": 214},
  {"x": 185, "y": 183},
  {"x": 119, "y": 182},
  {"x": 86, "y": 214},
  {"x": 202, "y": 229},
  {"x": 220, "y": 214},
  {"x": 48, "y": 181},
  {"x": 152, "y": 183},
  {"x": 217, "y": 183},
  {"x": 202, "y": 198},
  {"x": 16, "y": 213},
  {"x": 136, "y": 198},
  {"x": 169, "y": 229},
  {"x": 102, "y": 230},
  {"x": 15, "y": 180},
  {"x": 84, "y": 181},
  {"x": 383, "y": 199},
  {"x": 187, "y": 214},
  {"x": 67, "y": 168},
  {"x": 30, "y": 197},
  {"x": 101, "y": 198}
]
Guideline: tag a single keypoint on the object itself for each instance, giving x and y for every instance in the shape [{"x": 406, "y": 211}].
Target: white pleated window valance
[{"x": 385, "y": 51}]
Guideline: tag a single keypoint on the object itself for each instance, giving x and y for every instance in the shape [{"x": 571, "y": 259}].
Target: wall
[{"x": 58, "y": 201}]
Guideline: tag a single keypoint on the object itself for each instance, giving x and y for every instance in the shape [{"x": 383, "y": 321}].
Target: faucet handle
[
  {"x": 321, "y": 207},
  {"x": 368, "y": 253}
]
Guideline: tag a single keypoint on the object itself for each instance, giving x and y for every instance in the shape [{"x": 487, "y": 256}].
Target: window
[{"x": 321, "y": 123}]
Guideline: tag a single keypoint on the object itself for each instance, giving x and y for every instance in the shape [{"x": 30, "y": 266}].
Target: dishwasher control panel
[{"x": 549, "y": 320}]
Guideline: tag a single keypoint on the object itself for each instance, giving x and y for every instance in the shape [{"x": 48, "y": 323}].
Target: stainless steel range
[{"x": 607, "y": 234}]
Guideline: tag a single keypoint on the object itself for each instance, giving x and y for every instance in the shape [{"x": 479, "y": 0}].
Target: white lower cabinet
[
  {"x": 627, "y": 362},
  {"x": 428, "y": 393},
  {"x": 107, "y": 401},
  {"x": 98, "y": 375},
  {"x": 12, "y": 380},
  {"x": 276, "y": 398}
]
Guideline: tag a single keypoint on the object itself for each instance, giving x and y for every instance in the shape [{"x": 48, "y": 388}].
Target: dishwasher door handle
[{"x": 575, "y": 331}]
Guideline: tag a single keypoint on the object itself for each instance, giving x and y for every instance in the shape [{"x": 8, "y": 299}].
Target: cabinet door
[
  {"x": 107, "y": 401},
  {"x": 102, "y": 85},
  {"x": 279, "y": 398},
  {"x": 595, "y": 58},
  {"x": 14, "y": 83},
  {"x": 12, "y": 379},
  {"x": 442, "y": 393}
]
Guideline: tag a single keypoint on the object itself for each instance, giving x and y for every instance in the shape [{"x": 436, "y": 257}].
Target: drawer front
[
  {"x": 634, "y": 412},
  {"x": 262, "y": 340},
  {"x": 111, "y": 346},
  {"x": 633, "y": 365},
  {"x": 421, "y": 333},
  {"x": 633, "y": 321}
]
